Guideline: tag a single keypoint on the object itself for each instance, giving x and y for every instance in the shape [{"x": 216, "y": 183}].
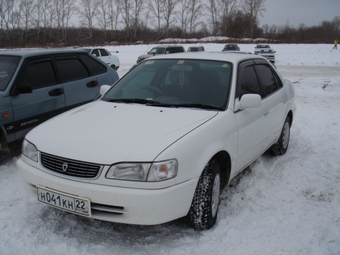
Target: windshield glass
[
  {"x": 8, "y": 65},
  {"x": 175, "y": 83}
]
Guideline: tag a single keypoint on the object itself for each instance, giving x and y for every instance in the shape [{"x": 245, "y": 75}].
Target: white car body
[
  {"x": 105, "y": 56},
  {"x": 105, "y": 133}
]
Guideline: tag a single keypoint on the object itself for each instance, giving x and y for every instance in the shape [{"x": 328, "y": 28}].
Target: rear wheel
[
  {"x": 281, "y": 146},
  {"x": 204, "y": 207}
]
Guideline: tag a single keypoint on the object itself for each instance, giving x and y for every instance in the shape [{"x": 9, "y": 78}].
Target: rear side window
[
  {"x": 38, "y": 73},
  {"x": 175, "y": 49},
  {"x": 103, "y": 53},
  {"x": 70, "y": 69},
  {"x": 95, "y": 66},
  {"x": 270, "y": 82}
]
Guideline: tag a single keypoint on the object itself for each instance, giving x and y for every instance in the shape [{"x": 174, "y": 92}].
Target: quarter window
[{"x": 95, "y": 66}]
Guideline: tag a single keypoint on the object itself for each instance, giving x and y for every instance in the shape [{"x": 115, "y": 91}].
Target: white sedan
[
  {"x": 105, "y": 56},
  {"x": 163, "y": 142}
]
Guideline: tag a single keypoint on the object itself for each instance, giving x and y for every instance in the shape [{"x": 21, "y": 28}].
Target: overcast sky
[{"x": 296, "y": 12}]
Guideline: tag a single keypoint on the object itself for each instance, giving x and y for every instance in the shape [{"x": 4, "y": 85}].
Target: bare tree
[
  {"x": 68, "y": 10},
  {"x": 26, "y": 9},
  {"x": 169, "y": 12},
  {"x": 103, "y": 15},
  {"x": 138, "y": 6},
  {"x": 126, "y": 14},
  {"x": 7, "y": 9},
  {"x": 114, "y": 10},
  {"x": 156, "y": 8},
  {"x": 225, "y": 9},
  {"x": 87, "y": 12},
  {"x": 254, "y": 9},
  {"x": 183, "y": 15},
  {"x": 195, "y": 12},
  {"x": 212, "y": 7}
]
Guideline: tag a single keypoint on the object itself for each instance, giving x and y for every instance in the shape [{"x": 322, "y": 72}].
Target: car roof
[
  {"x": 205, "y": 55},
  {"x": 168, "y": 45},
  {"x": 38, "y": 52}
]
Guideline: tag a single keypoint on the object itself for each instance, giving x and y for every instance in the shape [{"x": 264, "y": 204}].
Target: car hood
[{"x": 103, "y": 132}]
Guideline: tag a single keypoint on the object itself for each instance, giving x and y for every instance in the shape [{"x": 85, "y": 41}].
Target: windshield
[
  {"x": 8, "y": 65},
  {"x": 175, "y": 83}
]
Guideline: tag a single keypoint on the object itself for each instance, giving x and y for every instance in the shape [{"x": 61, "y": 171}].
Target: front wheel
[
  {"x": 281, "y": 146},
  {"x": 204, "y": 206}
]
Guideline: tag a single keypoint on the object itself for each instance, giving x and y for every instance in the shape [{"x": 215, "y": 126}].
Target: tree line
[{"x": 82, "y": 22}]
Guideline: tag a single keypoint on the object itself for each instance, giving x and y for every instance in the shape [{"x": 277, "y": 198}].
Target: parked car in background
[
  {"x": 161, "y": 49},
  {"x": 266, "y": 51},
  {"x": 195, "y": 48},
  {"x": 231, "y": 47},
  {"x": 163, "y": 141},
  {"x": 36, "y": 85},
  {"x": 106, "y": 56},
  {"x": 260, "y": 47},
  {"x": 268, "y": 54}
]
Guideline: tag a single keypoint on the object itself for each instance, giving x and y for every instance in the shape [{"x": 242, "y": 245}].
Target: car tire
[
  {"x": 281, "y": 146},
  {"x": 114, "y": 67},
  {"x": 204, "y": 206}
]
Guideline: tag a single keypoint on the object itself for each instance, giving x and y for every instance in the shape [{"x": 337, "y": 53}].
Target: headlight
[
  {"x": 158, "y": 171},
  {"x": 29, "y": 150}
]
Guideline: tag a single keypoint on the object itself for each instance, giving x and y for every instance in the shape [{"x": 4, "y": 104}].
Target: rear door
[
  {"x": 79, "y": 83},
  {"x": 274, "y": 99},
  {"x": 45, "y": 99}
]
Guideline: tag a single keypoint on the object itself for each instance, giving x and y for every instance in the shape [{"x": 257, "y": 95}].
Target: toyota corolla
[{"x": 163, "y": 142}]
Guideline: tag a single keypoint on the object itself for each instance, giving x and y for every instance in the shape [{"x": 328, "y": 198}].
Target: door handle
[
  {"x": 92, "y": 84},
  {"x": 266, "y": 113},
  {"x": 56, "y": 92}
]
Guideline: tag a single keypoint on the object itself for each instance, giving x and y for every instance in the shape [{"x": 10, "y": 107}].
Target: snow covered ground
[{"x": 279, "y": 205}]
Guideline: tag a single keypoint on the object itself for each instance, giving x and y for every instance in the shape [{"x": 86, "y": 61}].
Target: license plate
[{"x": 64, "y": 201}]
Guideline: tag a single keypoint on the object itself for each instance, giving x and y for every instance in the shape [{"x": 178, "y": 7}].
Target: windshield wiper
[
  {"x": 147, "y": 102},
  {"x": 128, "y": 100},
  {"x": 203, "y": 106}
]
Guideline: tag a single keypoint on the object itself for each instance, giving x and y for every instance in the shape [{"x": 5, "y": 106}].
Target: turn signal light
[{"x": 6, "y": 115}]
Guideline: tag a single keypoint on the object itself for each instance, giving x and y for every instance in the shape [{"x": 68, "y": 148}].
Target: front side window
[
  {"x": 38, "y": 73},
  {"x": 95, "y": 52},
  {"x": 8, "y": 65},
  {"x": 175, "y": 83},
  {"x": 248, "y": 82}
]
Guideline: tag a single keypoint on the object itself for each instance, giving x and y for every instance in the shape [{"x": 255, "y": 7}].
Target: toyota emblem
[{"x": 65, "y": 167}]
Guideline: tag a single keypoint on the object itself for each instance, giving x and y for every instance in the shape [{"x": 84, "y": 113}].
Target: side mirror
[
  {"x": 250, "y": 101},
  {"x": 24, "y": 88},
  {"x": 103, "y": 89}
]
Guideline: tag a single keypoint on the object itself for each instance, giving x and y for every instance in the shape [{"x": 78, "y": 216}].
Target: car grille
[{"x": 70, "y": 167}]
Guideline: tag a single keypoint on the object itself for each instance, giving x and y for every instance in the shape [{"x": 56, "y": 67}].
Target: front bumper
[{"x": 118, "y": 204}]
